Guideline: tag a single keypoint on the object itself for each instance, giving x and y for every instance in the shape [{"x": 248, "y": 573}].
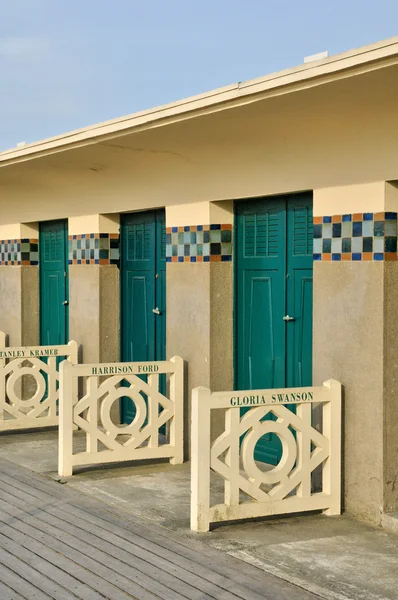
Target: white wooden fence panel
[
  {"x": 285, "y": 488},
  {"x": 91, "y": 413},
  {"x": 19, "y": 407}
]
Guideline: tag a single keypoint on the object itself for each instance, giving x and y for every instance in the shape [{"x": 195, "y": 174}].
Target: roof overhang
[{"x": 348, "y": 64}]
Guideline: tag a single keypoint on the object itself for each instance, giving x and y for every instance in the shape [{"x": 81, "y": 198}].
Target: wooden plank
[
  {"x": 225, "y": 572},
  {"x": 169, "y": 574},
  {"x": 6, "y": 593},
  {"x": 204, "y": 561},
  {"x": 20, "y": 585},
  {"x": 47, "y": 568},
  {"x": 56, "y": 559},
  {"x": 100, "y": 562},
  {"x": 208, "y": 564},
  {"x": 79, "y": 517},
  {"x": 105, "y": 580},
  {"x": 151, "y": 576},
  {"x": 149, "y": 532},
  {"x": 188, "y": 570},
  {"x": 47, "y": 586},
  {"x": 170, "y": 562}
]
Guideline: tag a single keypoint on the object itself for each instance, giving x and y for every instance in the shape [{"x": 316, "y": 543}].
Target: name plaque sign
[{"x": 272, "y": 398}]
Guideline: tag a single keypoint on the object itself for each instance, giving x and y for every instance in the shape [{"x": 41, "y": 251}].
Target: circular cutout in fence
[
  {"x": 289, "y": 452},
  {"x": 261, "y": 453},
  {"x": 30, "y": 384},
  {"x": 132, "y": 394}
]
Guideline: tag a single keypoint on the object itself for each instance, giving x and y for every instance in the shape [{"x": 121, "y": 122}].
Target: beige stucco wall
[
  {"x": 30, "y": 305},
  {"x": 10, "y": 304},
  {"x": 221, "y": 327},
  {"x": 19, "y": 304},
  {"x": 200, "y": 213},
  {"x": 390, "y": 388},
  {"x": 109, "y": 306},
  {"x": 93, "y": 224},
  {"x": 355, "y": 313},
  {"x": 94, "y": 317},
  {"x": 94, "y": 311},
  {"x": 16, "y": 231},
  {"x": 200, "y": 327},
  {"x": 348, "y": 346},
  {"x": 377, "y": 196},
  {"x": 200, "y": 310},
  {"x": 84, "y": 310},
  {"x": 335, "y": 134},
  {"x": 188, "y": 325}
]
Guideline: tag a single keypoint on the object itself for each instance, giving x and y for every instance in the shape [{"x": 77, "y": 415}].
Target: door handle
[
  {"x": 287, "y": 318},
  {"x": 156, "y": 311},
  {"x": 65, "y": 303}
]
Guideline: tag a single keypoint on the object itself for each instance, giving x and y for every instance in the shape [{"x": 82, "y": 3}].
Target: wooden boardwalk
[{"x": 57, "y": 543}]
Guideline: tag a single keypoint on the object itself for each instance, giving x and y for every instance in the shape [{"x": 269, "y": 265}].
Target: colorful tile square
[
  {"x": 95, "y": 249},
  {"x": 199, "y": 243},
  {"x": 19, "y": 252},
  {"x": 356, "y": 237}
]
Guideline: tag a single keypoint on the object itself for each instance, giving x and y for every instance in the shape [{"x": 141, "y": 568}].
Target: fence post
[
  {"x": 177, "y": 398},
  {"x": 332, "y": 430},
  {"x": 2, "y": 378},
  {"x": 65, "y": 435},
  {"x": 200, "y": 459},
  {"x": 2, "y": 345},
  {"x": 73, "y": 356}
]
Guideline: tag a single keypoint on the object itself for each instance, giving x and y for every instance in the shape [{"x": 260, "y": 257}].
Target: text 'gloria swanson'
[{"x": 280, "y": 398}]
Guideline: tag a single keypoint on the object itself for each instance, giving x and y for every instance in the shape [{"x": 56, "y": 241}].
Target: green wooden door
[
  {"x": 54, "y": 286},
  {"x": 160, "y": 289},
  {"x": 273, "y": 280},
  {"x": 143, "y": 291},
  {"x": 299, "y": 291}
]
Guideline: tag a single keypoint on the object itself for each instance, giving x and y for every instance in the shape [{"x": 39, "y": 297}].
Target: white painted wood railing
[
  {"x": 30, "y": 404},
  {"x": 106, "y": 384},
  {"x": 250, "y": 490}
]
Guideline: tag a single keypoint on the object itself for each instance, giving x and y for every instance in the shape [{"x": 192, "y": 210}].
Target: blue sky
[{"x": 65, "y": 64}]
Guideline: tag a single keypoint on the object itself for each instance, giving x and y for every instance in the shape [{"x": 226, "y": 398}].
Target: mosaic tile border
[
  {"x": 24, "y": 252},
  {"x": 199, "y": 243},
  {"x": 356, "y": 237},
  {"x": 94, "y": 249}
]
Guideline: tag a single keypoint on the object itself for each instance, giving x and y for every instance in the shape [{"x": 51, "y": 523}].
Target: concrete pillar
[
  {"x": 94, "y": 286},
  {"x": 199, "y": 292},
  {"x": 355, "y": 332},
  {"x": 19, "y": 283}
]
